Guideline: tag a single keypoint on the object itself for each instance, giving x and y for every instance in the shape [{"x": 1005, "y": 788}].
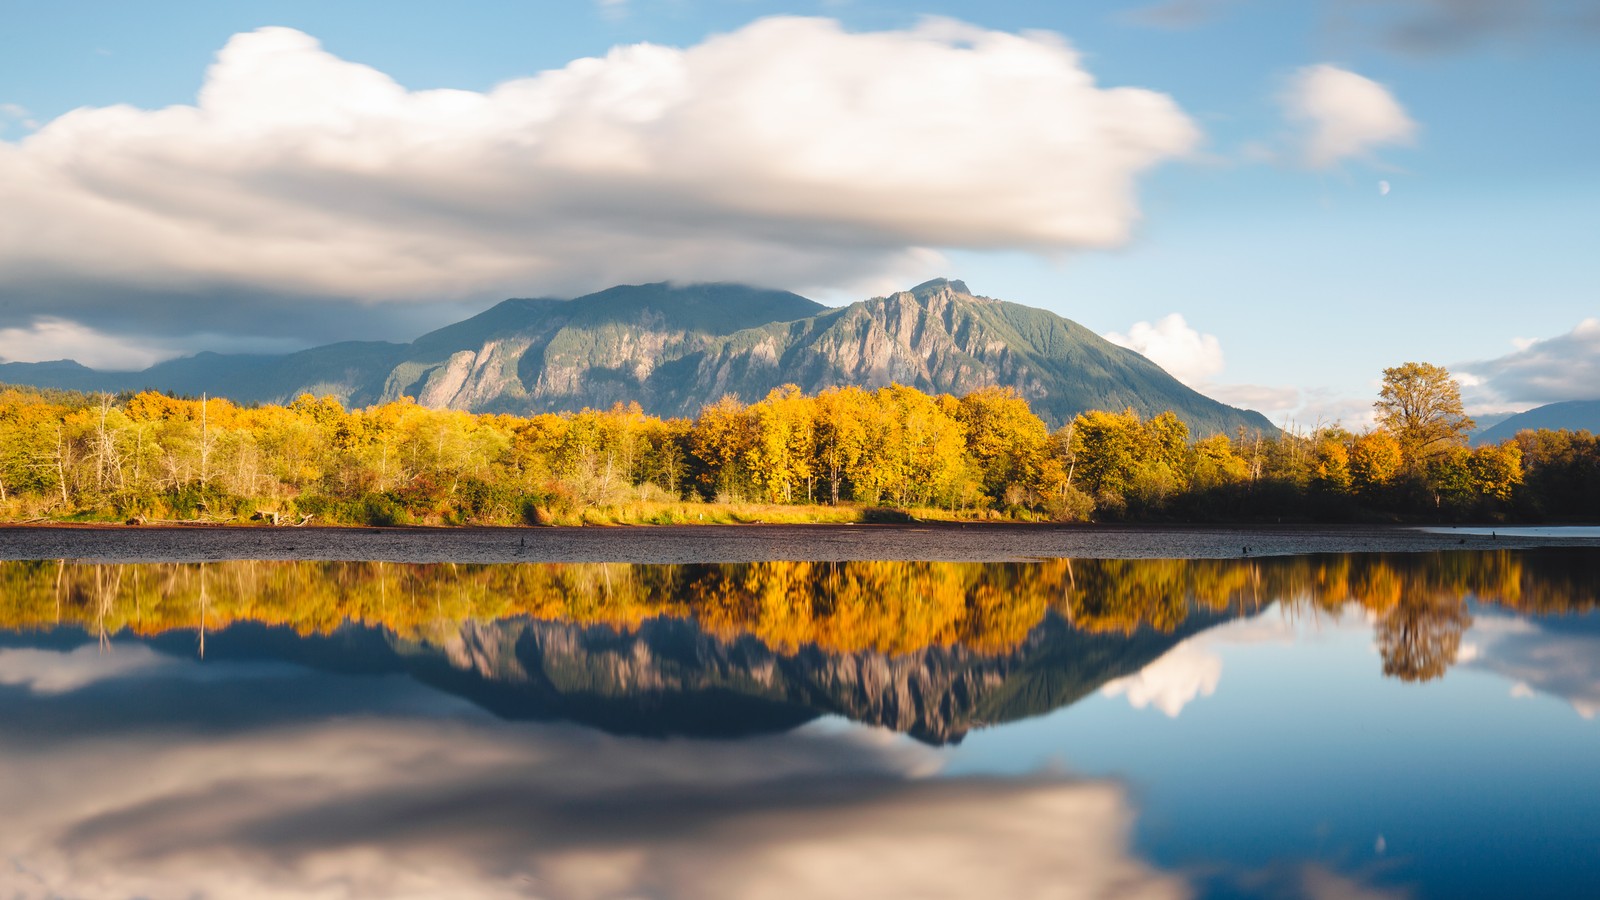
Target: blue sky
[{"x": 1321, "y": 189}]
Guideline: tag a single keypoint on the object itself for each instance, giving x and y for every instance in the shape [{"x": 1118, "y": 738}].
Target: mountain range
[{"x": 675, "y": 348}]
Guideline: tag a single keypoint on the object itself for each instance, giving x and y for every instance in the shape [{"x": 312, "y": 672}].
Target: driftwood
[{"x": 273, "y": 517}]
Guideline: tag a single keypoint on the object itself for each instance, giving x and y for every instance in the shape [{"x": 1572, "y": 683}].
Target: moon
[{"x": 1383, "y": 188}]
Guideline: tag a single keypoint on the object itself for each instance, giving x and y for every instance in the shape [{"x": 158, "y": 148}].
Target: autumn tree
[
  {"x": 722, "y": 439},
  {"x": 1331, "y": 466},
  {"x": 1216, "y": 463},
  {"x": 1108, "y": 448},
  {"x": 1421, "y": 406},
  {"x": 1006, "y": 440},
  {"x": 1374, "y": 461},
  {"x": 840, "y": 434}
]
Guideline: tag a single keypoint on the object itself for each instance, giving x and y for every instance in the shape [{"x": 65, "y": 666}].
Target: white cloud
[
  {"x": 1195, "y": 359},
  {"x": 789, "y": 152},
  {"x": 48, "y": 338},
  {"x": 1566, "y": 367},
  {"x": 1343, "y": 115},
  {"x": 1187, "y": 355}
]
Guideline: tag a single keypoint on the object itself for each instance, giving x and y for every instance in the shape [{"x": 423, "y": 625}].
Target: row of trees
[{"x": 153, "y": 456}]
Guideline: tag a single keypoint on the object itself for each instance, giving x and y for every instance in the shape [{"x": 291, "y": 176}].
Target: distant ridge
[
  {"x": 673, "y": 349},
  {"x": 1570, "y": 415}
]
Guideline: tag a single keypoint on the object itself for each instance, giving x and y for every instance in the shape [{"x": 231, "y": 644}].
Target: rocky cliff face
[{"x": 937, "y": 337}]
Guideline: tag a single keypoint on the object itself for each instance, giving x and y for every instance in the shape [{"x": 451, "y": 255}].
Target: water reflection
[
  {"x": 932, "y": 649},
  {"x": 320, "y": 729},
  {"x": 366, "y": 805}
]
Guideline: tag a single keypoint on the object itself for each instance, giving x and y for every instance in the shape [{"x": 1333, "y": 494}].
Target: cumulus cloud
[
  {"x": 1195, "y": 359},
  {"x": 1169, "y": 342},
  {"x": 1566, "y": 367},
  {"x": 1343, "y": 115},
  {"x": 417, "y": 806},
  {"x": 789, "y": 152}
]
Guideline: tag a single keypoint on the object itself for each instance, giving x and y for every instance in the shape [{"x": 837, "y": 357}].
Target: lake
[{"x": 1297, "y": 722}]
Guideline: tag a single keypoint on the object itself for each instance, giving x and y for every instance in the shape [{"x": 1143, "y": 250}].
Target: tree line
[{"x": 835, "y": 455}]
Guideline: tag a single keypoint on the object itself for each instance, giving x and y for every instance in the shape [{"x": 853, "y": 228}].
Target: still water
[{"x": 1355, "y": 725}]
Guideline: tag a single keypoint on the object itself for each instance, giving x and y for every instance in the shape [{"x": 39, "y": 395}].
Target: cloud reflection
[
  {"x": 396, "y": 806},
  {"x": 1193, "y": 669},
  {"x": 1559, "y": 662},
  {"x": 59, "y": 672}
]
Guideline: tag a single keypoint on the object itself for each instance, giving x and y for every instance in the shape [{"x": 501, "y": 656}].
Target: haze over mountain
[{"x": 673, "y": 349}]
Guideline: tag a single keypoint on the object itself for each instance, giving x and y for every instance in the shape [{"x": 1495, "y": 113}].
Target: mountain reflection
[{"x": 932, "y": 649}]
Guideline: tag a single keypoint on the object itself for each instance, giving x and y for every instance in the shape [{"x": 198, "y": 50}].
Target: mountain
[
  {"x": 675, "y": 348},
  {"x": 1570, "y": 415}
]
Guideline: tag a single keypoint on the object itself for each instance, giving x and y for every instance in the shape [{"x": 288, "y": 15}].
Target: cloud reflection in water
[{"x": 392, "y": 806}]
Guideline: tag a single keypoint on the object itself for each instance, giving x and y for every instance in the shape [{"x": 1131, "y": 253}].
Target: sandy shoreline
[{"x": 745, "y": 543}]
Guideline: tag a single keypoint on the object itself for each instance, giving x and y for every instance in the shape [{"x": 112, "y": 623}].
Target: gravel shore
[{"x": 753, "y": 543}]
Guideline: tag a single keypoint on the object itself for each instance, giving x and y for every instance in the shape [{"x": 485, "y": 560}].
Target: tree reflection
[
  {"x": 1419, "y": 638},
  {"x": 890, "y": 608}
]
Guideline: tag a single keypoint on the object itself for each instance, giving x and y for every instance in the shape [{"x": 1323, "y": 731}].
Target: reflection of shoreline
[
  {"x": 882, "y": 606},
  {"x": 930, "y": 649}
]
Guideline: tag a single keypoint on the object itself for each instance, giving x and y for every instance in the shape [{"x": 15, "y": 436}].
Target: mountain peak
[
  {"x": 936, "y": 285},
  {"x": 711, "y": 308}
]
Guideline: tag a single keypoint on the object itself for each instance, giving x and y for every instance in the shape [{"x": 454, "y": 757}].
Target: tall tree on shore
[{"x": 1420, "y": 404}]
